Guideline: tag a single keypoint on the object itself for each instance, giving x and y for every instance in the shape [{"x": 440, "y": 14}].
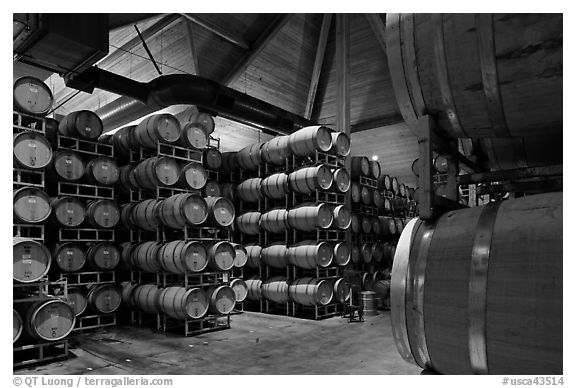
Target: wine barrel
[
  {"x": 366, "y": 223},
  {"x": 253, "y": 252},
  {"x": 366, "y": 252},
  {"x": 193, "y": 136},
  {"x": 385, "y": 182},
  {"x": 221, "y": 256},
  {"x": 221, "y": 212},
  {"x": 229, "y": 162},
  {"x": 249, "y": 190},
  {"x": 229, "y": 191},
  {"x": 416, "y": 167},
  {"x": 308, "y": 140},
  {"x": 476, "y": 74},
  {"x": 377, "y": 199},
  {"x": 342, "y": 255},
  {"x": 309, "y": 217},
  {"x": 249, "y": 223},
  {"x": 341, "y": 181},
  {"x": 254, "y": 286},
  {"x": 355, "y": 255},
  {"x": 212, "y": 159},
  {"x": 275, "y": 255},
  {"x": 31, "y": 205},
  {"x": 181, "y": 257},
  {"x": 368, "y": 302},
  {"x": 360, "y": 166},
  {"x": 211, "y": 189},
  {"x": 126, "y": 179},
  {"x": 387, "y": 227},
  {"x": 395, "y": 187},
  {"x": 402, "y": 190},
  {"x": 47, "y": 320},
  {"x": 68, "y": 165},
  {"x": 124, "y": 141},
  {"x": 160, "y": 128},
  {"x": 249, "y": 157},
  {"x": 375, "y": 170},
  {"x": 142, "y": 215},
  {"x": 367, "y": 282},
  {"x": 82, "y": 124},
  {"x": 182, "y": 303},
  {"x": 275, "y": 186},
  {"x": 103, "y": 256},
  {"x": 340, "y": 144},
  {"x": 377, "y": 252},
  {"x": 310, "y": 291},
  {"x": 440, "y": 164},
  {"x": 494, "y": 304},
  {"x": 341, "y": 291},
  {"x": 399, "y": 226},
  {"x": 355, "y": 192},
  {"x": 222, "y": 299},
  {"x": 342, "y": 217},
  {"x": 204, "y": 119},
  {"x": 68, "y": 211},
  {"x": 275, "y": 289},
  {"x": 309, "y": 254},
  {"x": 145, "y": 298},
  {"x": 17, "y": 325},
  {"x": 240, "y": 289},
  {"x": 309, "y": 179},
  {"x": 366, "y": 195},
  {"x": 388, "y": 208},
  {"x": 31, "y": 260},
  {"x": 127, "y": 294},
  {"x": 156, "y": 171},
  {"x": 355, "y": 223},
  {"x": 241, "y": 256},
  {"x": 144, "y": 256},
  {"x": 274, "y": 221},
  {"x": 104, "y": 298},
  {"x": 31, "y": 95},
  {"x": 102, "y": 213},
  {"x": 181, "y": 210},
  {"x": 31, "y": 150},
  {"x": 126, "y": 256},
  {"x": 69, "y": 256},
  {"x": 102, "y": 171},
  {"x": 382, "y": 289},
  {"x": 193, "y": 176},
  {"x": 276, "y": 150},
  {"x": 376, "y": 230}
]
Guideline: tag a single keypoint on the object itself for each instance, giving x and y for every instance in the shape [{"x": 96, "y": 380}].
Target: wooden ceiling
[{"x": 268, "y": 56}]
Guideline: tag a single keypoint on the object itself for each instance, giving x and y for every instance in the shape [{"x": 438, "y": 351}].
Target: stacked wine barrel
[{"x": 290, "y": 192}]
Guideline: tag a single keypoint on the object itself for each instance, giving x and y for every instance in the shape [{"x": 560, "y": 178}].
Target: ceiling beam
[
  {"x": 318, "y": 61},
  {"x": 194, "y": 68},
  {"x": 376, "y": 122},
  {"x": 117, "y": 21},
  {"x": 378, "y": 27},
  {"x": 342, "y": 74},
  {"x": 234, "y": 39}
]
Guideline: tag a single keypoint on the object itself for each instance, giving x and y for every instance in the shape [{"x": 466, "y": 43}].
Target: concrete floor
[{"x": 256, "y": 344}]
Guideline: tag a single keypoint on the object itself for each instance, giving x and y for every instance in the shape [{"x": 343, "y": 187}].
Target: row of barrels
[
  {"x": 302, "y": 143},
  {"x": 307, "y": 217},
  {"x": 378, "y": 252},
  {"x": 177, "y": 212},
  {"x": 96, "y": 299},
  {"x": 361, "y": 166},
  {"x": 380, "y": 226},
  {"x": 307, "y": 291},
  {"x": 47, "y": 320},
  {"x": 367, "y": 196},
  {"x": 183, "y": 303}
]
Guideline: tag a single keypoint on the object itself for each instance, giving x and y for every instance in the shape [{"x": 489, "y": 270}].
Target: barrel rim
[
  {"x": 42, "y": 305},
  {"x": 16, "y": 314},
  {"x": 44, "y": 86},
  {"x": 42, "y": 247}
]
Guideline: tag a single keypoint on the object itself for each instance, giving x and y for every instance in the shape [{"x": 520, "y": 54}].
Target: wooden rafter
[
  {"x": 194, "y": 68},
  {"x": 342, "y": 74},
  {"x": 376, "y": 122},
  {"x": 226, "y": 35},
  {"x": 318, "y": 61},
  {"x": 379, "y": 28}
]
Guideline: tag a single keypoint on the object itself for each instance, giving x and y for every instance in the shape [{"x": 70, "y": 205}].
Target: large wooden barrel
[
  {"x": 249, "y": 223},
  {"x": 103, "y": 256},
  {"x": 193, "y": 136},
  {"x": 377, "y": 199},
  {"x": 77, "y": 299},
  {"x": 355, "y": 223},
  {"x": 160, "y": 128},
  {"x": 222, "y": 299},
  {"x": 366, "y": 195},
  {"x": 69, "y": 256},
  {"x": 249, "y": 157},
  {"x": 395, "y": 186},
  {"x": 382, "y": 289},
  {"x": 377, "y": 252},
  {"x": 275, "y": 186},
  {"x": 229, "y": 162},
  {"x": 182, "y": 303},
  {"x": 341, "y": 251},
  {"x": 240, "y": 289},
  {"x": 82, "y": 124},
  {"x": 340, "y": 143},
  {"x": 182, "y": 257},
  {"x": 229, "y": 191},
  {"x": 144, "y": 256},
  {"x": 376, "y": 225},
  {"x": 341, "y": 180},
  {"x": 387, "y": 227},
  {"x": 68, "y": 211},
  {"x": 310, "y": 254},
  {"x": 31, "y": 150},
  {"x": 249, "y": 190},
  {"x": 144, "y": 215},
  {"x": 355, "y": 192},
  {"x": 375, "y": 170},
  {"x": 221, "y": 256},
  {"x": 102, "y": 171},
  {"x": 156, "y": 171},
  {"x": 181, "y": 210},
  {"x": 31, "y": 205},
  {"x": 366, "y": 223},
  {"x": 355, "y": 255},
  {"x": 47, "y": 320},
  {"x": 274, "y": 221},
  {"x": 145, "y": 298},
  {"x": 31, "y": 260},
  {"x": 360, "y": 166},
  {"x": 482, "y": 76},
  {"x": 221, "y": 212},
  {"x": 102, "y": 213},
  {"x": 253, "y": 252},
  {"x": 310, "y": 291},
  {"x": 275, "y": 255},
  {"x": 124, "y": 141},
  {"x": 68, "y": 165},
  {"x": 31, "y": 95},
  {"x": 127, "y": 294},
  {"x": 366, "y": 252},
  {"x": 309, "y": 217},
  {"x": 494, "y": 304},
  {"x": 212, "y": 189},
  {"x": 254, "y": 286},
  {"x": 204, "y": 119},
  {"x": 309, "y": 179},
  {"x": 193, "y": 176},
  {"x": 342, "y": 217},
  {"x": 241, "y": 255},
  {"x": 212, "y": 159},
  {"x": 104, "y": 298},
  {"x": 276, "y": 150},
  {"x": 275, "y": 289},
  {"x": 367, "y": 281},
  {"x": 385, "y": 182},
  {"x": 17, "y": 325},
  {"x": 308, "y": 140},
  {"x": 399, "y": 226},
  {"x": 341, "y": 291}
]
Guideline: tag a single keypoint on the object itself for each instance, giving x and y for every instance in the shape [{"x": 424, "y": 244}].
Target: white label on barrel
[
  {"x": 88, "y": 129},
  {"x": 106, "y": 252},
  {"x": 32, "y": 144},
  {"x": 67, "y": 161},
  {"x": 27, "y": 261},
  {"x": 31, "y": 200},
  {"x": 69, "y": 253},
  {"x": 69, "y": 211},
  {"x": 166, "y": 167},
  {"x": 195, "y": 207},
  {"x": 33, "y": 88},
  {"x": 104, "y": 167},
  {"x": 105, "y": 214}
]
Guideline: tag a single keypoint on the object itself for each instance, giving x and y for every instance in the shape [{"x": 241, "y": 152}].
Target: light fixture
[{"x": 374, "y": 157}]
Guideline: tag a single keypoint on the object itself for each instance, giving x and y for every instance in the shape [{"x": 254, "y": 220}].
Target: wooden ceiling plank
[
  {"x": 236, "y": 40},
  {"x": 194, "y": 67},
  {"x": 342, "y": 74},
  {"x": 377, "y": 122},
  {"x": 378, "y": 28},
  {"x": 319, "y": 60}
]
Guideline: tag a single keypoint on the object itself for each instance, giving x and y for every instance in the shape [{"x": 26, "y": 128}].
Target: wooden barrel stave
[
  {"x": 275, "y": 255},
  {"x": 310, "y": 254},
  {"x": 274, "y": 221},
  {"x": 159, "y": 128},
  {"x": 249, "y": 190},
  {"x": 276, "y": 150},
  {"x": 275, "y": 289},
  {"x": 82, "y": 124},
  {"x": 249, "y": 223},
  {"x": 308, "y": 140},
  {"x": 308, "y": 217},
  {"x": 310, "y": 291}
]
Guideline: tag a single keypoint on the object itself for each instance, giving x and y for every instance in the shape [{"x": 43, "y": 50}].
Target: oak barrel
[
  {"x": 378, "y": 199},
  {"x": 31, "y": 205},
  {"x": 308, "y": 140},
  {"x": 375, "y": 170},
  {"x": 253, "y": 252},
  {"x": 341, "y": 180},
  {"x": 221, "y": 212},
  {"x": 275, "y": 255},
  {"x": 275, "y": 289},
  {"x": 31, "y": 260},
  {"x": 156, "y": 171},
  {"x": 240, "y": 289},
  {"x": 342, "y": 217},
  {"x": 275, "y": 186},
  {"x": 355, "y": 255},
  {"x": 366, "y": 223},
  {"x": 102, "y": 213},
  {"x": 309, "y": 179},
  {"x": 47, "y": 320},
  {"x": 249, "y": 223},
  {"x": 367, "y": 281},
  {"x": 68, "y": 211},
  {"x": 229, "y": 191},
  {"x": 159, "y": 128},
  {"x": 241, "y": 256},
  {"x": 355, "y": 223},
  {"x": 222, "y": 299},
  {"x": 193, "y": 176},
  {"x": 254, "y": 285},
  {"x": 385, "y": 182},
  {"x": 124, "y": 141},
  {"x": 31, "y": 150},
  {"x": 126, "y": 255},
  {"x": 31, "y": 95},
  {"x": 182, "y": 303},
  {"x": 274, "y": 221},
  {"x": 366, "y": 195},
  {"x": 378, "y": 252},
  {"x": 181, "y": 257},
  {"x": 355, "y": 192},
  {"x": 145, "y": 298},
  {"x": 212, "y": 189},
  {"x": 82, "y": 124},
  {"x": 366, "y": 252},
  {"x": 144, "y": 215},
  {"x": 249, "y": 190},
  {"x": 340, "y": 143},
  {"x": 375, "y": 225},
  {"x": 221, "y": 256},
  {"x": 310, "y": 291},
  {"x": 229, "y": 162},
  {"x": 102, "y": 171},
  {"x": 68, "y": 165},
  {"x": 360, "y": 166},
  {"x": 275, "y": 151},
  {"x": 17, "y": 325},
  {"x": 309, "y": 254},
  {"x": 181, "y": 210},
  {"x": 104, "y": 298},
  {"x": 204, "y": 119},
  {"x": 144, "y": 256},
  {"x": 212, "y": 159},
  {"x": 69, "y": 256},
  {"x": 127, "y": 294},
  {"x": 341, "y": 251},
  {"x": 102, "y": 256},
  {"x": 309, "y": 217},
  {"x": 249, "y": 157},
  {"x": 193, "y": 136},
  {"x": 341, "y": 291}
]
